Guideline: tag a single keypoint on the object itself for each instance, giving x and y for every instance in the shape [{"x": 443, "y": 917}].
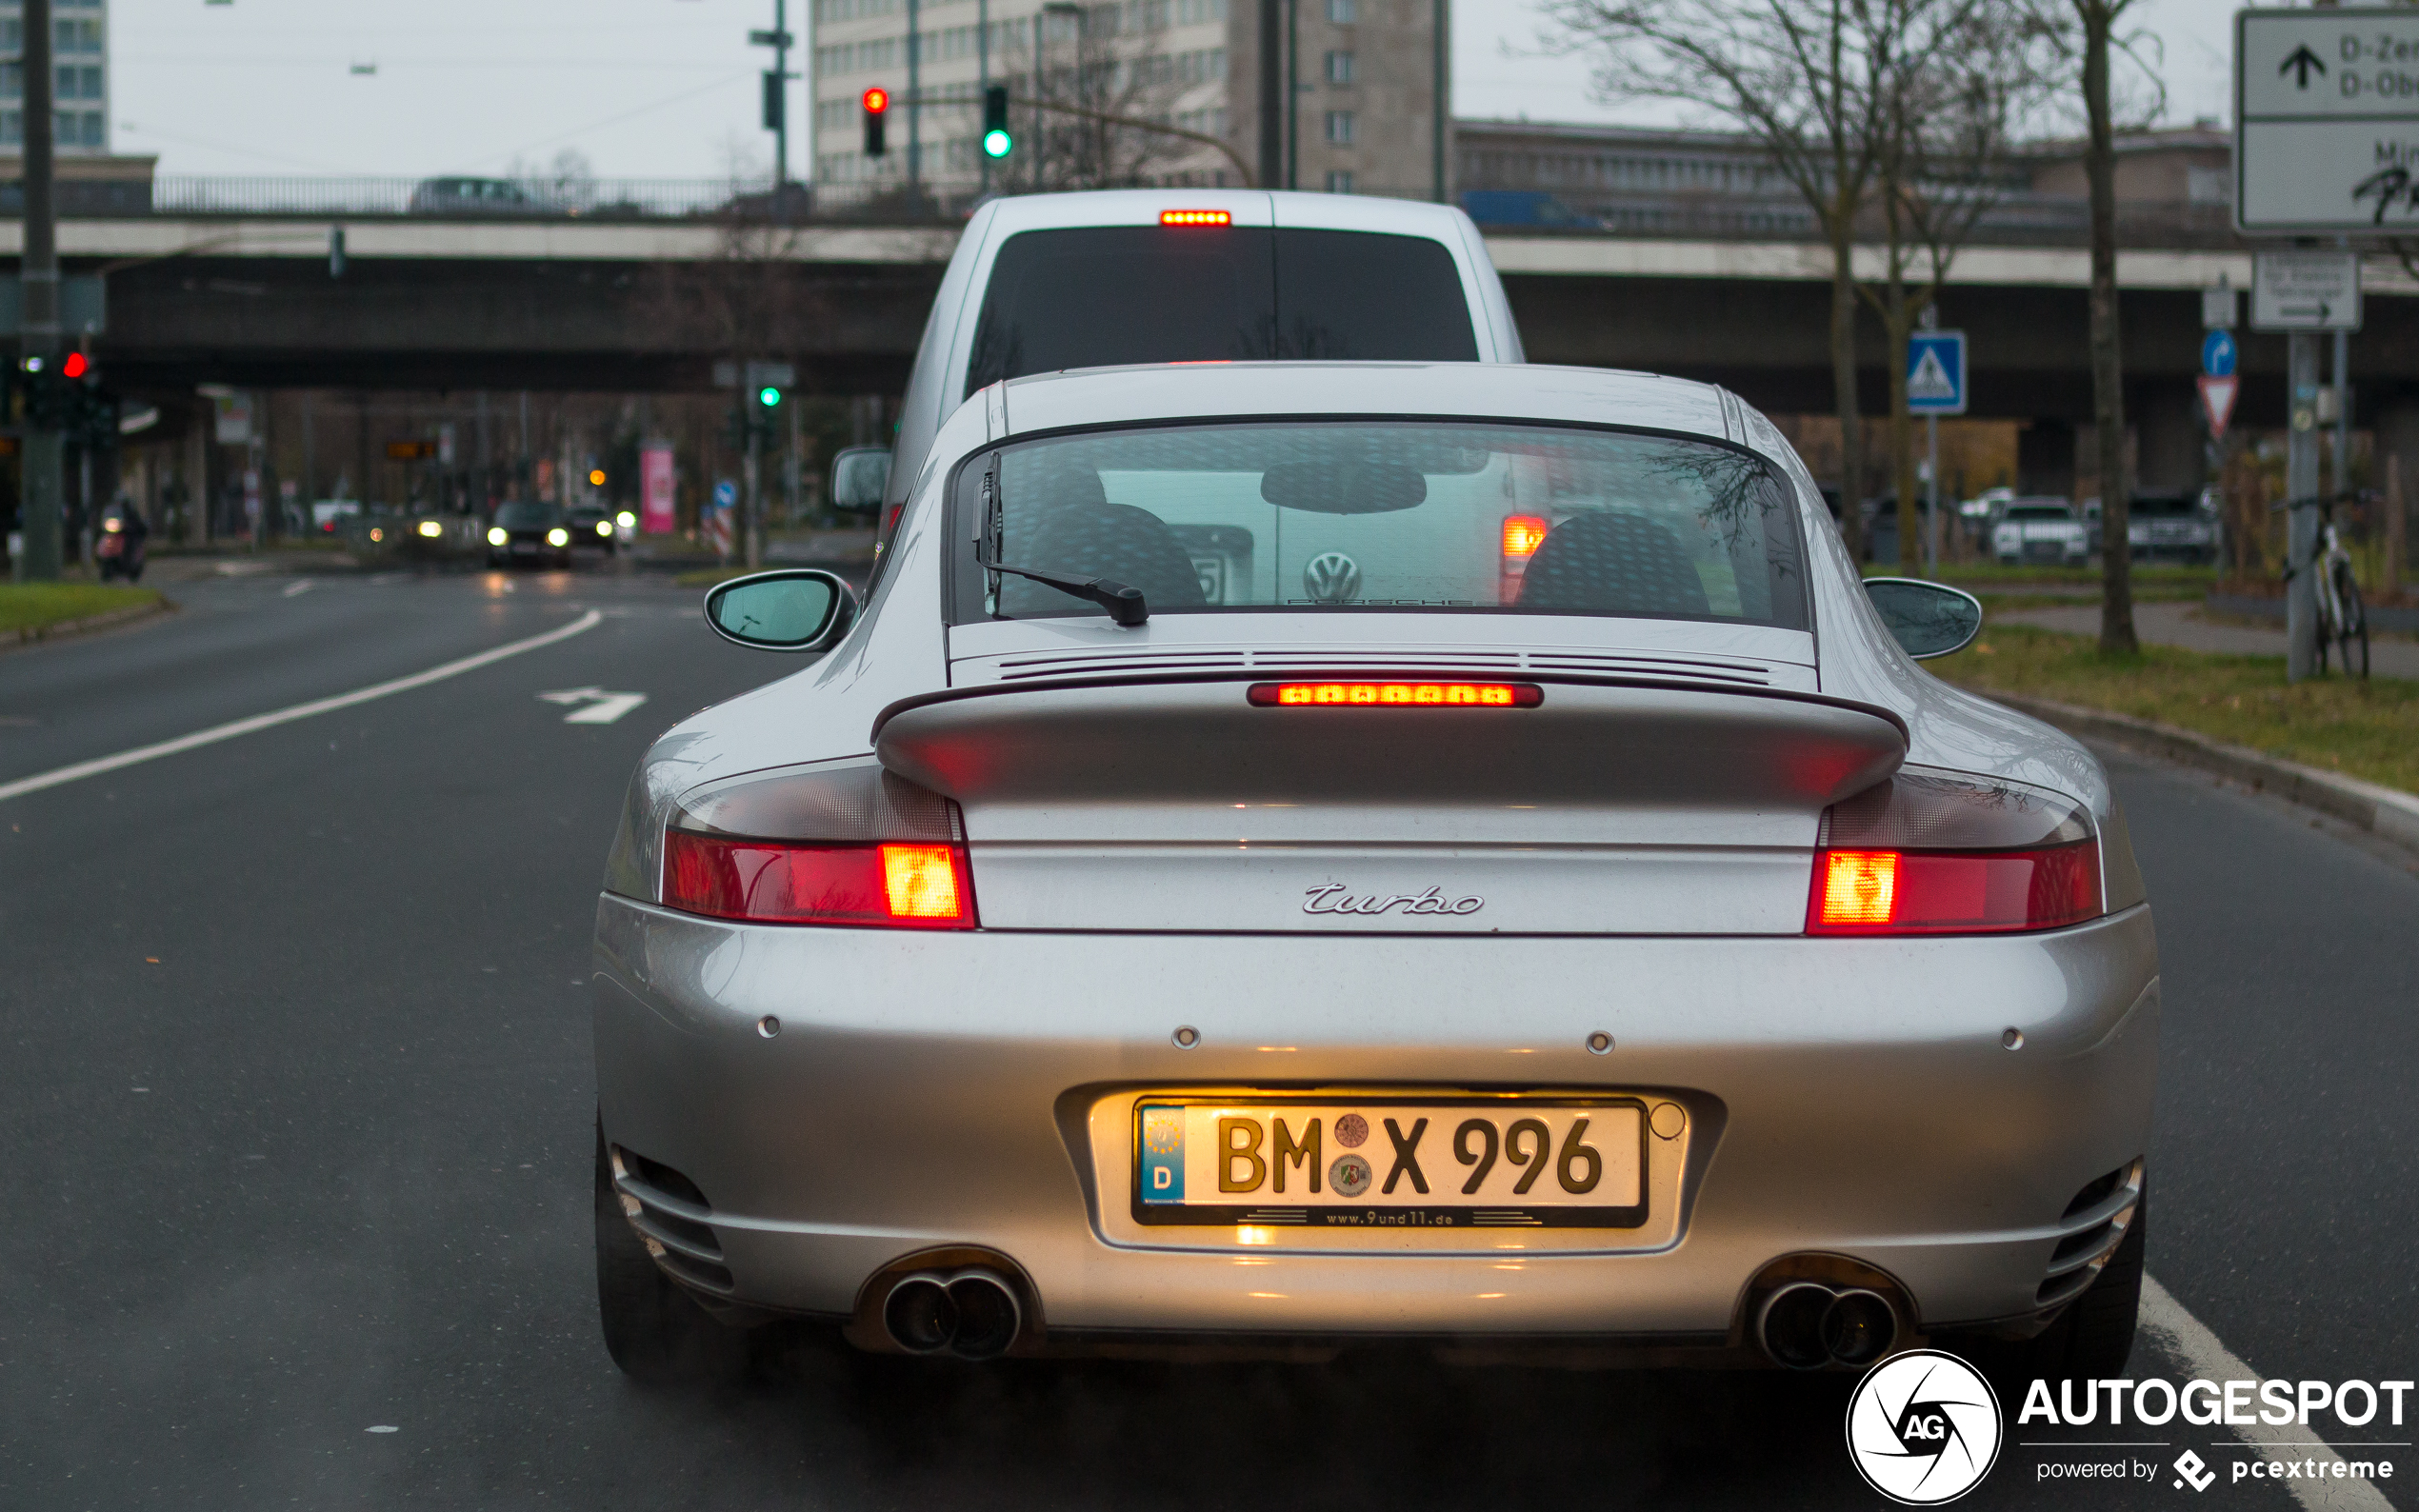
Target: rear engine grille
[
  {"x": 2045, "y": 550},
  {"x": 1725, "y": 670},
  {"x": 672, "y": 1215},
  {"x": 2089, "y": 1232}
]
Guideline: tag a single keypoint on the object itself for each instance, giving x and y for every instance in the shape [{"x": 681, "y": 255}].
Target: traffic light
[
  {"x": 996, "y": 140},
  {"x": 768, "y": 396},
  {"x": 878, "y": 103},
  {"x": 777, "y": 101},
  {"x": 75, "y": 365}
]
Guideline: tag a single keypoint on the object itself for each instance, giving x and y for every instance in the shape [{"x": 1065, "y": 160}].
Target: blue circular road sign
[{"x": 2217, "y": 355}]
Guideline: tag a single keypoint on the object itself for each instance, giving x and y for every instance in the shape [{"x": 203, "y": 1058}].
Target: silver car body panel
[{"x": 1849, "y": 1096}]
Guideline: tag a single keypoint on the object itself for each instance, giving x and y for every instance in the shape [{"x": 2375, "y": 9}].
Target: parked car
[
  {"x": 525, "y": 530},
  {"x": 1528, "y": 896},
  {"x": 328, "y": 515},
  {"x": 2042, "y": 532},
  {"x": 2175, "y": 527},
  {"x": 1043, "y": 282}
]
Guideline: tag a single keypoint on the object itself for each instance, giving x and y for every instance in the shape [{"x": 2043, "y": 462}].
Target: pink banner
[{"x": 655, "y": 487}]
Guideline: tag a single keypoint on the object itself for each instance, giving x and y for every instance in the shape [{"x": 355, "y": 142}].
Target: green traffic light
[
  {"x": 768, "y": 396},
  {"x": 996, "y": 143}
]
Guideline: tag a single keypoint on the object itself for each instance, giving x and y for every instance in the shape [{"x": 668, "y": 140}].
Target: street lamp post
[{"x": 38, "y": 512}]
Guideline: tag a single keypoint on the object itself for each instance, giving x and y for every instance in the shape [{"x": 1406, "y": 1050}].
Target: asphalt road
[{"x": 295, "y": 1093}]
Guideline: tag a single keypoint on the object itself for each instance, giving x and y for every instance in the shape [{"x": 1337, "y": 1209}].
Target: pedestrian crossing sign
[{"x": 1936, "y": 372}]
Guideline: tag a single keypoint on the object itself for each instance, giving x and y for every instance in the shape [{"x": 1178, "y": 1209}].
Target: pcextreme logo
[{"x": 1922, "y": 1428}]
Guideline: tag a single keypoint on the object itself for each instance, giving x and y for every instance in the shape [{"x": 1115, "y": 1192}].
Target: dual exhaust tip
[
  {"x": 1807, "y": 1325},
  {"x": 972, "y": 1314}
]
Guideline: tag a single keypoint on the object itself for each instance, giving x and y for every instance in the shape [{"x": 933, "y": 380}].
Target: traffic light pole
[
  {"x": 39, "y": 458},
  {"x": 982, "y": 78}
]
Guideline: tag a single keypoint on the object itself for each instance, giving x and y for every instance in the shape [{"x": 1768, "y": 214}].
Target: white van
[{"x": 1045, "y": 282}]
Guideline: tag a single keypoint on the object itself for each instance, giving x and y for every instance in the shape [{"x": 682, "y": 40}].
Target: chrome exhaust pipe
[
  {"x": 1790, "y": 1326},
  {"x": 989, "y": 1319},
  {"x": 1859, "y": 1326},
  {"x": 919, "y": 1315}
]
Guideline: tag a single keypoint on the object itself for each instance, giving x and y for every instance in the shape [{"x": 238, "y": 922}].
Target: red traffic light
[
  {"x": 75, "y": 367},
  {"x": 877, "y": 101}
]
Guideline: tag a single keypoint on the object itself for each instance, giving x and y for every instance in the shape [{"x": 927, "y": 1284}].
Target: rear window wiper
[{"x": 1125, "y": 603}]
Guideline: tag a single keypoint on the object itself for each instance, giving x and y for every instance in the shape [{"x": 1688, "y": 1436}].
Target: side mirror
[
  {"x": 795, "y": 609},
  {"x": 859, "y": 477},
  {"x": 1928, "y": 619}
]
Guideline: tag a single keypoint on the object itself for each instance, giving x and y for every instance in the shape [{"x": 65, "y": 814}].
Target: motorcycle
[{"x": 119, "y": 551}]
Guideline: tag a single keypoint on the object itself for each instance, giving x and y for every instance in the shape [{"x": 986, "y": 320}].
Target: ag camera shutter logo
[{"x": 1924, "y": 1428}]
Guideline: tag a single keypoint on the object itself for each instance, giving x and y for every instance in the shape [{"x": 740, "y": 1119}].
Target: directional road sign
[
  {"x": 2217, "y": 355},
  {"x": 1936, "y": 372},
  {"x": 2305, "y": 291},
  {"x": 2326, "y": 120}
]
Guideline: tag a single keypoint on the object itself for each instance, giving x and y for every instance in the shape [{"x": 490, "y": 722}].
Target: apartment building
[
  {"x": 79, "y": 42},
  {"x": 1362, "y": 117}
]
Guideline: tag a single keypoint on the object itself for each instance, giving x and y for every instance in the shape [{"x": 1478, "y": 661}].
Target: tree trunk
[
  {"x": 1851, "y": 430},
  {"x": 1901, "y": 434},
  {"x": 2107, "y": 366}
]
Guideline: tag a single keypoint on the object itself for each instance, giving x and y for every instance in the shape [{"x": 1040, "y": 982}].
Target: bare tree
[
  {"x": 1796, "y": 78},
  {"x": 1951, "y": 80},
  {"x": 2100, "y": 46},
  {"x": 1088, "y": 76}
]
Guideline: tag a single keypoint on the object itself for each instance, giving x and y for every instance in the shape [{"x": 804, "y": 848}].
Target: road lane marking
[
  {"x": 303, "y": 586},
  {"x": 603, "y": 708},
  {"x": 58, "y": 776},
  {"x": 2188, "y": 1338}
]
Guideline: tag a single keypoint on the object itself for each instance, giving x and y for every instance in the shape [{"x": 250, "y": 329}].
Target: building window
[
  {"x": 1339, "y": 128},
  {"x": 1339, "y": 181},
  {"x": 1339, "y": 68},
  {"x": 1342, "y": 13}
]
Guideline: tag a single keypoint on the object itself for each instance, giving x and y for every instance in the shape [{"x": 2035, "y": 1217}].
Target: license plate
[{"x": 1381, "y": 1162}]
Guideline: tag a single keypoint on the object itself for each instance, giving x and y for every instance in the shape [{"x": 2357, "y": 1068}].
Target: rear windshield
[
  {"x": 525, "y": 516},
  {"x": 2166, "y": 504},
  {"x": 1106, "y": 295},
  {"x": 1348, "y": 516}
]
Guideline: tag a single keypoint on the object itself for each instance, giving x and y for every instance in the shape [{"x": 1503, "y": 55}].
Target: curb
[
  {"x": 2383, "y": 811},
  {"x": 62, "y": 629}
]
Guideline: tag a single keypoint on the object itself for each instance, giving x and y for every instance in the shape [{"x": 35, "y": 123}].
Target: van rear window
[{"x": 1101, "y": 296}]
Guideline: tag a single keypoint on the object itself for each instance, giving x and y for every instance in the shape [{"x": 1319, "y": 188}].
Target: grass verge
[
  {"x": 2367, "y": 729},
  {"x": 37, "y": 606}
]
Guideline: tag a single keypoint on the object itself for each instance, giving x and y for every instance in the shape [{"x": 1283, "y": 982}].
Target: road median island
[
  {"x": 45, "y": 611},
  {"x": 2345, "y": 747}
]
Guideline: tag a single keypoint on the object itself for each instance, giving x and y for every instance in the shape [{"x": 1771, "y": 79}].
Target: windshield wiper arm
[{"x": 1124, "y": 604}]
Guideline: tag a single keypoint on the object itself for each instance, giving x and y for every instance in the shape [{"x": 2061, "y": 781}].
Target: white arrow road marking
[
  {"x": 603, "y": 708},
  {"x": 286, "y": 716}
]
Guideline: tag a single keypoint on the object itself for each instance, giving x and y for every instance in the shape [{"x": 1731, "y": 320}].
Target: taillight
[
  {"x": 1523, "y": 535},
  {"x": 1931, "y": 854},
  {"x": 1195, "y": 218},
  {"x": 776, "y": 881},
  {"x": 1397, "y": 695},
  {"x": 844, "y": 843}
]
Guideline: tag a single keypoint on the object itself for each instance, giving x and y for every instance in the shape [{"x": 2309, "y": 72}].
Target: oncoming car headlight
[
  {"x": 558, "y": 536},
  {"x": 431, "y": 529},
  {"x": 625, "y": 519},
  {"x": 604, "y": 527},
  {"x": 497, "y": 535}
]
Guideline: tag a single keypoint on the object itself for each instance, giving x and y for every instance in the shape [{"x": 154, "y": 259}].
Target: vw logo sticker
[
  {"x": 1331, "y": 578},
  {"x": 1924, "y": 1427}
]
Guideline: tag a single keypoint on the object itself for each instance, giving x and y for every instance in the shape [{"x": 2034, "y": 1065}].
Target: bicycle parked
[{"x": 2342, "y": 618}]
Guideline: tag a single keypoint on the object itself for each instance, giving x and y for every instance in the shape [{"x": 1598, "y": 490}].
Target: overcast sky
[{"x": 663, "y": 88}]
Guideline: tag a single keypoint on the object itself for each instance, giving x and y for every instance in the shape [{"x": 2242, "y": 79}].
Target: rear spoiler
[{"x": 1206, "y": 740}]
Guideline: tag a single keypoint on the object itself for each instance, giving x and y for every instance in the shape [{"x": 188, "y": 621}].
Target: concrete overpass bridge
[{"x": 563, "y": 304}]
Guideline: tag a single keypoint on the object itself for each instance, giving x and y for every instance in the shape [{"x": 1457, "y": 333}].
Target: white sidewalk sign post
[{"x": 1935, "y": 386}]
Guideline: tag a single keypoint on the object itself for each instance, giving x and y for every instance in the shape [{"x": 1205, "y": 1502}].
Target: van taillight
[
  {"x": 788, "y": 881},
  {"x": 1938, "y": 853},
  {"x": 1195, "y": 218}
]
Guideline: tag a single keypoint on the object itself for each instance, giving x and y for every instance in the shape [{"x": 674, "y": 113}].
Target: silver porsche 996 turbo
[{"x": 1291, "y": 854}]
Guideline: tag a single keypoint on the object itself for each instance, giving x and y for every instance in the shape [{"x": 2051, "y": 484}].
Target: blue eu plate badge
[{"x": 1162, "y": 1154}]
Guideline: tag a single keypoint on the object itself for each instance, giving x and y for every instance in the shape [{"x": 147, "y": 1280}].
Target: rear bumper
[{"x": 1851, "y": 1097}]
